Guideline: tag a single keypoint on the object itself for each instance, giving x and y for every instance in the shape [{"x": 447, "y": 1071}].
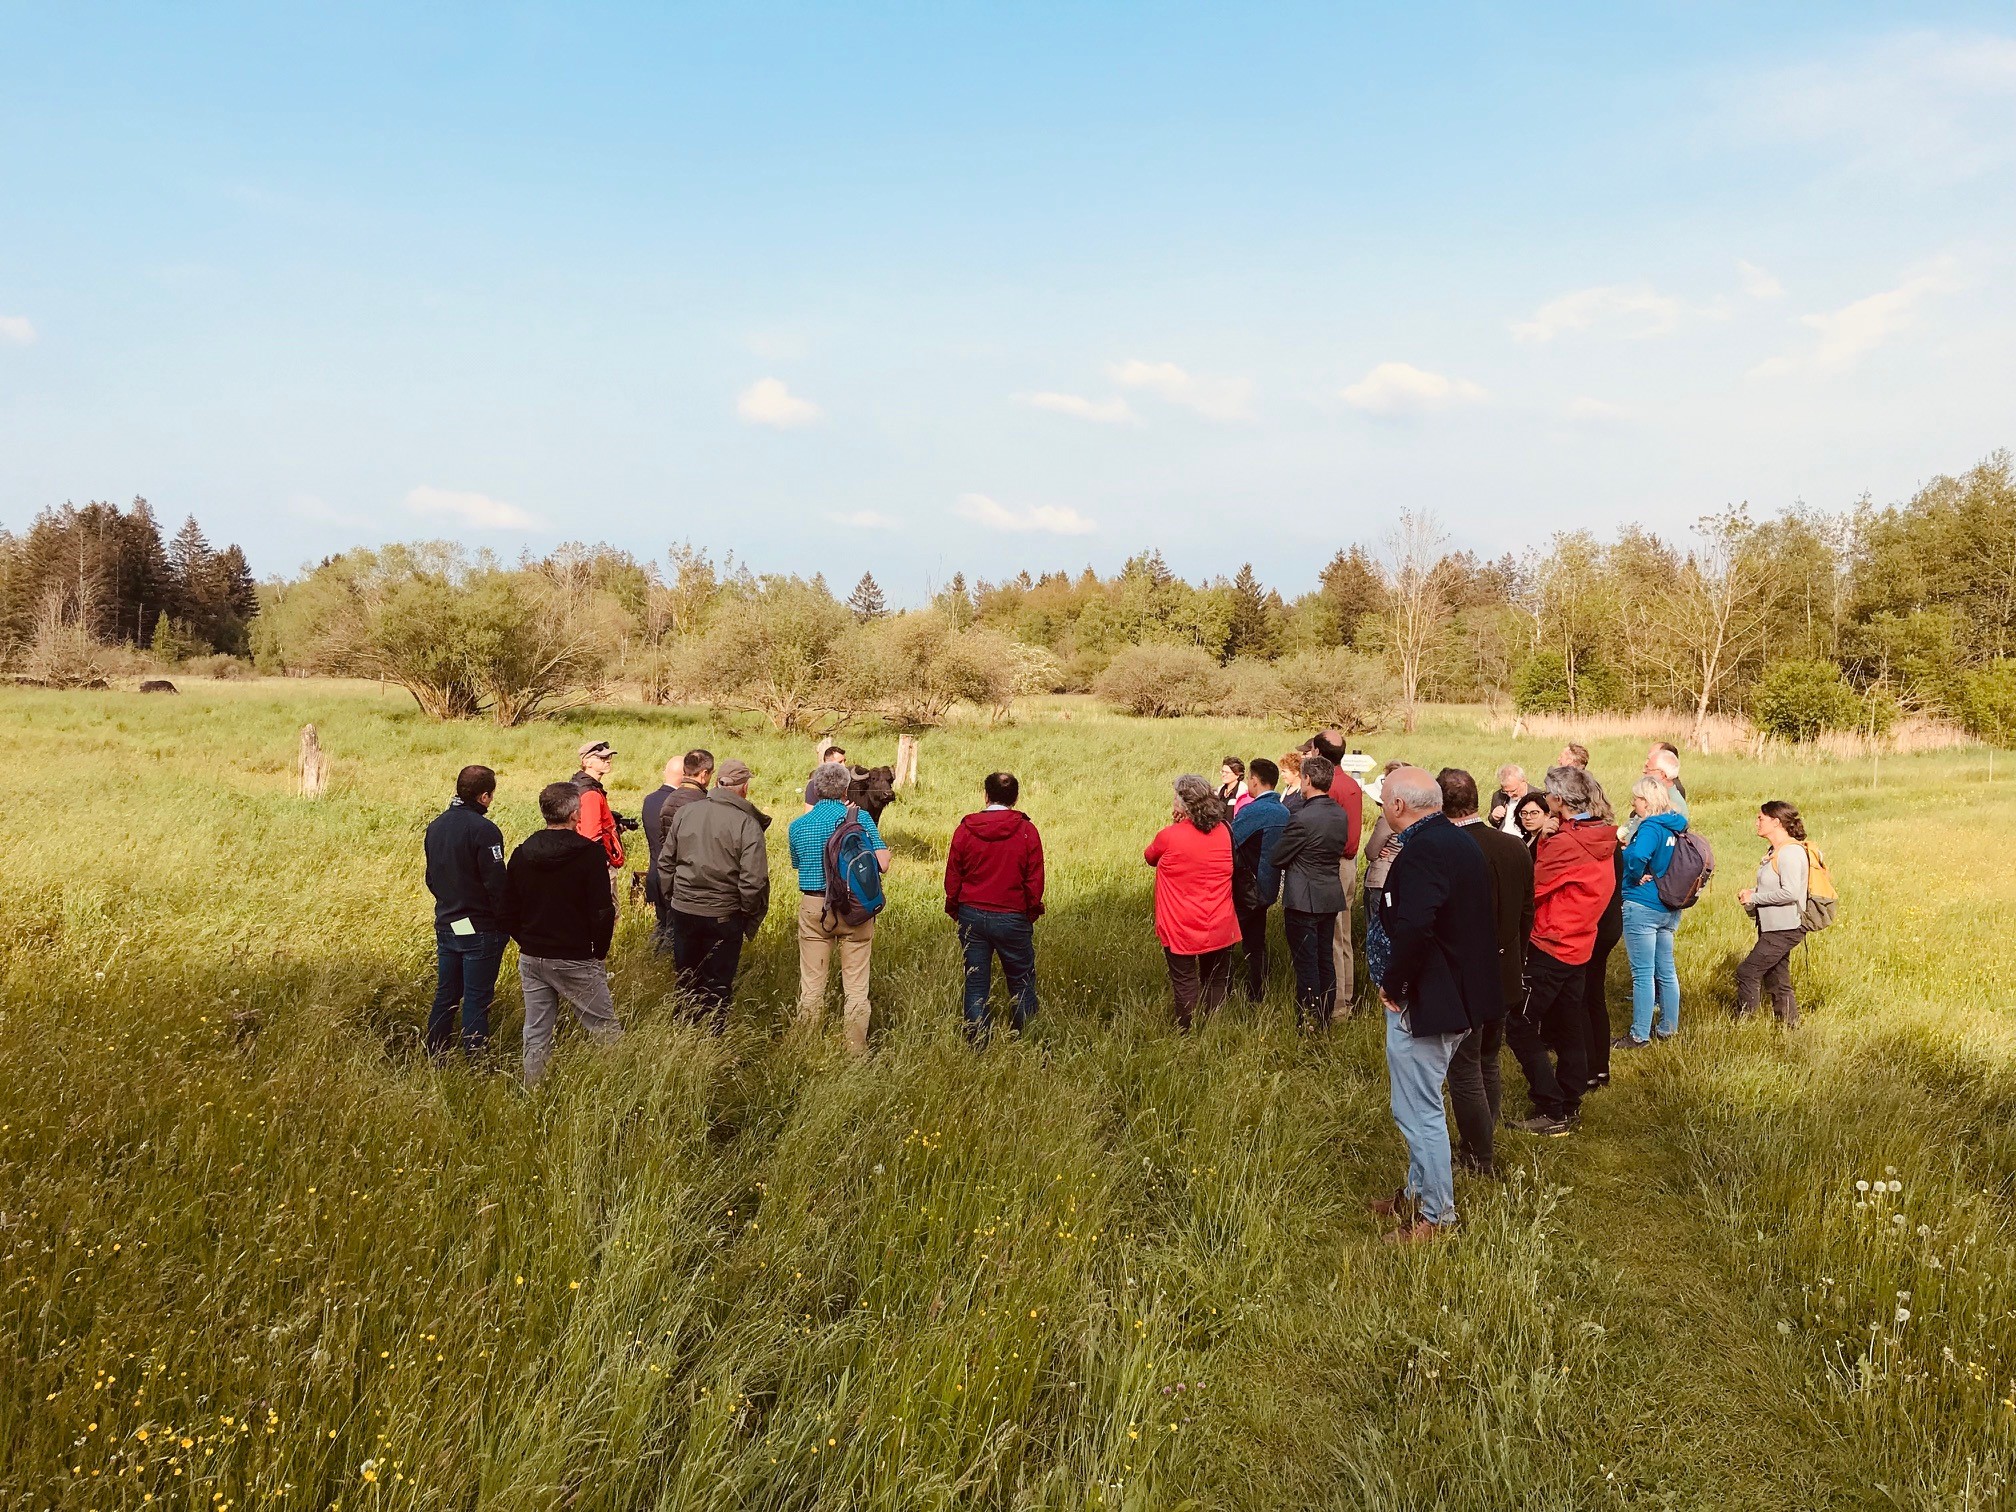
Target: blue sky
[{"x": 938, "y": 288}]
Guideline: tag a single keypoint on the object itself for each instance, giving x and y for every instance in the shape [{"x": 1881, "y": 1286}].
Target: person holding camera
[{"x": 597, "y": 820}]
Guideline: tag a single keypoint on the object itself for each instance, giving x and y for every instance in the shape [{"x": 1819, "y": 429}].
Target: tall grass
[{"x": 256, "y": 1252}]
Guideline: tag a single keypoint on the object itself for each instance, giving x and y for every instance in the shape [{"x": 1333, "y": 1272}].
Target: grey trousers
[
  {"x": 585, "y": 986},
  {"x": 1476, "y": 1095}
]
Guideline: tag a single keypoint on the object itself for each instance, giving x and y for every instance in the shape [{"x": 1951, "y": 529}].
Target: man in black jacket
[
  {"x": 559, "y": 910},
  {"x": 1476, "y": 1089},
  {"x": 465, "y": 872},
  {"x": 1307, "y": 855},
  {"x": 1439, "y": 980},
  {"x": 686, "y": 780}
]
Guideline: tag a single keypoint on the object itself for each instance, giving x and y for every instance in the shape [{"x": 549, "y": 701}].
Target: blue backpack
[{"x": 853, "y": 875}]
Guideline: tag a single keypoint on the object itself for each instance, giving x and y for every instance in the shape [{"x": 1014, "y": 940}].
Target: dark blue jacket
[
  {"x": 1436, "y": 911},
  {"x": 1254, "y": 829},
  {"x": 1649, "y": 854},
  {"x": 465, "y": 867}
]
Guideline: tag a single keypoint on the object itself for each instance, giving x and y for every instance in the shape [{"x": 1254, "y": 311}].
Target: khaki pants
[
  {"x": 1340, "y": 946},
  {"x": 818, "y": 934}
]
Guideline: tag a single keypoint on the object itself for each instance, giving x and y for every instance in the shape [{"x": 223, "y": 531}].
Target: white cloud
[
  {"x": 1394, "y": 387},
  {"x": 1114, "y": 411},
  {"x": 1845, "y": 334},
  {"x": 1757, "y": 283},
  {"x": 18, "y": 329},
  {"x": 768, "y": 401},
  {"x": 1933, "y": 106},
  {"x": 1213, "y": 398},
  {"x": 1587, "y": 411},
  {"x": 863, "y": 519},
  {"x": 1634, "y": 310},
  {"x": 1048, "y": 519},
  {"x": 474, "y": 509}
]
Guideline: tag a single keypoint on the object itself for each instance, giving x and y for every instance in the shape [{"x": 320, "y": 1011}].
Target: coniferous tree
[
  {"x": 866, "y": 600},
  {"x": 1250, "y": 630}
]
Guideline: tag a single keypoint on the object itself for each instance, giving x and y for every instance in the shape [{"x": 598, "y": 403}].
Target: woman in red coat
[{"x": 1194, "y": 920}]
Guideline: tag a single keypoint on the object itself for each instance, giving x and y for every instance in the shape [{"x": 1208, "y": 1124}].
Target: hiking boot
[
  {"x": 1421, "y": 1231},
  {"x": 1399, "y": 1205},
  {"x": 1626, "y": 1042},
  {"x": 1545, "y": 1125}
]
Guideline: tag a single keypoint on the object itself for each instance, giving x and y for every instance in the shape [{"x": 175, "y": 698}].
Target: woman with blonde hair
[
  {"x": 1648, "y": 923},
  {"x": 1194, "y": 917}
]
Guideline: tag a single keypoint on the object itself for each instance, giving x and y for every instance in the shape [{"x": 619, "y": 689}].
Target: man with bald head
[{"x": 1436, "y": 969}]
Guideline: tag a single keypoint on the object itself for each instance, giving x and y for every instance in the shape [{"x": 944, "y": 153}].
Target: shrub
[
  {"x": 912, "y": 668},
  {"x": 1796, "y": 700},
  {"x": 1542, "y": 686},
  {"x": 1253, "y": 690},
  {"x": 1162, "y": 682},
  {"x": 1988, "y": 701},
  {"x": 462, "y": 639},
  {"x": 63, "y": 652},
  {"x": 220, "y": 666},
  {"x": 773, "y": 649},
  {"x": 1337, "y": 689}
]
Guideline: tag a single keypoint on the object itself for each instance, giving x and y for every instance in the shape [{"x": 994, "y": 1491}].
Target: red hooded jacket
[
  {"x": 1573, "y": 878},
  {"x": 996, "y": 864}
]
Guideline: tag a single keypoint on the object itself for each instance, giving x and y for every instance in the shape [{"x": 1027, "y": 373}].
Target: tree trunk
[
  {"x": 314, "y": 764},
  {"x": 906, "y": 761}
]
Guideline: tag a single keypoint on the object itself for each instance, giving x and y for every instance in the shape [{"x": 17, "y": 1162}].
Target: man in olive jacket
[{"x": 715, "y": 873}]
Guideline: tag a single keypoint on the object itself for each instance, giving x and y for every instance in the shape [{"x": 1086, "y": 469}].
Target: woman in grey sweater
[{"x": 1778, "y": 904}]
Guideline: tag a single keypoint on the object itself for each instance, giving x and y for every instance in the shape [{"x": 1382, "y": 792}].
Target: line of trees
[
  {"x": 106, "y": 576},
  {"x": 1804, "y": 621}
]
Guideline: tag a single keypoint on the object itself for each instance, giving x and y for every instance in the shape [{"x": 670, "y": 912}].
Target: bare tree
[
  {"x": 1417, "y": 609},
  {"x": 1712, "y": 620}
]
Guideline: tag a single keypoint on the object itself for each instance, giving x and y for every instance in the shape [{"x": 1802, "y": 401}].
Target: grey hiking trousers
[{"x": 585, "y": 986}]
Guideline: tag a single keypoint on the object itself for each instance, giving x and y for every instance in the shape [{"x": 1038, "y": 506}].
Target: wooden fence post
[
  {"x": 906, "y": 761},
  {"x": 314, "y": 764}
]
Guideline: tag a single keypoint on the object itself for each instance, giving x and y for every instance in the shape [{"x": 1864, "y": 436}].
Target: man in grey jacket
[
  {"x": 715, "y": 873},
  {"x": 1308, "y": 855}
]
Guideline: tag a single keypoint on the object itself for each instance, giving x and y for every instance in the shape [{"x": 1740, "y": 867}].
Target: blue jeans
[
  {"x": 1648, "y": 941},
  {"x": 983, "y": 935},
  {"x": 1417, "y": 1069},
  {"x": 465, "y": 976}
]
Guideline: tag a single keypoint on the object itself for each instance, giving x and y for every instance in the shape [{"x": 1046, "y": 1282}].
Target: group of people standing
[
  {"x": 1486, "y": 924},
  {"x": 1481, "y": 929}
]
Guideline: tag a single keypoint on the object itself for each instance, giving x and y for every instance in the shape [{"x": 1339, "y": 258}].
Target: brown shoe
[
  {"x": 1399, "y": 1205},
  {"x": 1421, "y": 1231}
]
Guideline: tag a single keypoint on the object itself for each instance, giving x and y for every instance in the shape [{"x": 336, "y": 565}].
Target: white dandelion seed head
[{"x": 1861, "y": 1186}]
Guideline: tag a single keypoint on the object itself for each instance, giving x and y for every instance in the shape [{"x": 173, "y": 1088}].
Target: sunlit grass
[{"x": 255, "y": 1251}]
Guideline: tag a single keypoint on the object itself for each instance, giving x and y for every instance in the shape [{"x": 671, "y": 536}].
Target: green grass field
[{"x": 256, "y": 1252}]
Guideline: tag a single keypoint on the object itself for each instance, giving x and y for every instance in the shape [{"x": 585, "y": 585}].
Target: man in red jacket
[
  {"x": 994, "y": 890},
  {"x": 1572, "y": 881}
]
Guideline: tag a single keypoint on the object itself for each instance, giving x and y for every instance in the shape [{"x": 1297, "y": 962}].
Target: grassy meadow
[{"x": 256, "y": 1252}]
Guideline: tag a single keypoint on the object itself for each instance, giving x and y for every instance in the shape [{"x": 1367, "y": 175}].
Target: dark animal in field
[
  {"x": 872, "y": 790},
  {"x": 158, "y": 685}
]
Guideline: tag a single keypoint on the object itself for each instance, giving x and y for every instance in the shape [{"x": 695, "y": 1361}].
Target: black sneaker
[
  {"x": 1626, "y": 1042},
  {"x": 1544, "y": 1125}
]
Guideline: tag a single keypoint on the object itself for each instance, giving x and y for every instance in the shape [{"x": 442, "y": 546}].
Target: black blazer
[
  {"x": 1309, "y": 855},
  {"x": 1511, "y": 867},
  {"x": 1436, "y": 911}
]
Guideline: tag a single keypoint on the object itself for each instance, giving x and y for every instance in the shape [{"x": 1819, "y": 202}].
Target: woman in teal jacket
[{"x": 1648, "y": 922}]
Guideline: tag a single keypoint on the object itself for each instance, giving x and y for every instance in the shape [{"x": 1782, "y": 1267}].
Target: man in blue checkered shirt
[{"x": 819, "y": 932}]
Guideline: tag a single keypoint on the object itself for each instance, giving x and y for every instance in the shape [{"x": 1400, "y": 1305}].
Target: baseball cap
[
  {"x": 733, "y": 773},
  {"x": 597, "y": 748}
]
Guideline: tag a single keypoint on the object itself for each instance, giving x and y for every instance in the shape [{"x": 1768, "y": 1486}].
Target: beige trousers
[
  {"x": 1340, "y": 946},
  {"x": 818, "y": 935}
]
